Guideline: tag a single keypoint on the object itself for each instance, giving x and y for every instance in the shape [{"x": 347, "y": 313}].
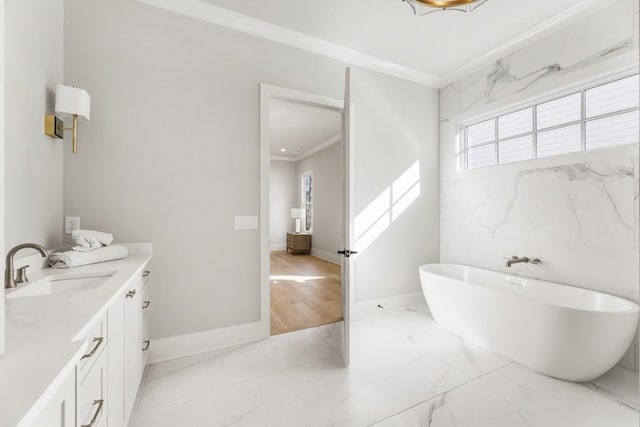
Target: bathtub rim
[{"x": 634, "y": 308}]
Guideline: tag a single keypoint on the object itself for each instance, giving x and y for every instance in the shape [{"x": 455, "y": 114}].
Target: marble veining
[
  {"x": 501, "y": 76},
  {"x": 581, "y": 218},
  {"x": 406, "y": 371},
  {"x": 606, "y": 189}
]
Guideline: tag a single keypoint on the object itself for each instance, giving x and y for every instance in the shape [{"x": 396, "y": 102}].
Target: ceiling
[
  {"x": 299, "y": 128},
  {"x": 436, "y": 44}
]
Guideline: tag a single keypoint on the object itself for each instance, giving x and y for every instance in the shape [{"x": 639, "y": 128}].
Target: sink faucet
[
  {"x": 9, "y": 281},
  {"x": 515, "y": 260}
]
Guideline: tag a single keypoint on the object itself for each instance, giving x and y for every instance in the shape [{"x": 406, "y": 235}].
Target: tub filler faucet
[{"x": 515, "y": 260}]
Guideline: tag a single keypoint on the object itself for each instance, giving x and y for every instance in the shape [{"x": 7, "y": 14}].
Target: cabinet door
[
  {"x": 61, "y": 410},
  {"x": 92, "y": 395},
  {"x": 115, "y": 363},
  {"x": 131, "y": 345}
]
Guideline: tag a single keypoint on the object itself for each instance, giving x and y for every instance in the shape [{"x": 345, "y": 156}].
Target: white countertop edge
[
  {"x": 82, "y": 333},
  {"x": 138, "y": 260},
  {"x": 32, "y": 414}
]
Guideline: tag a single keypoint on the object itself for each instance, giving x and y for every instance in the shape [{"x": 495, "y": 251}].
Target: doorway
[
  {"x": 304, "y": 211},
  {"x": 306, "y": 215}
]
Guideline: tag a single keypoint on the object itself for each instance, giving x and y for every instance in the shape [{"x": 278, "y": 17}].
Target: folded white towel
[
  {"x": 75, "y": 259},
  {"x": 87, "y": 243},
  {"x": 104, "y": 238}
]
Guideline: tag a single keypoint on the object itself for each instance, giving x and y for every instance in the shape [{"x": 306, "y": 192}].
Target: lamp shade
[
  {"x": 297, "y": 213},
  {"x": 72, "y": 100}
]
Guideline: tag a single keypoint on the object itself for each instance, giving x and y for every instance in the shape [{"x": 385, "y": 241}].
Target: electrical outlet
[{"x": 71, "y": 223}]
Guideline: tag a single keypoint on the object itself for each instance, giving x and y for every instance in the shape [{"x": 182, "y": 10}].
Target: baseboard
[
  {"x": 164, "y": 349},
  {"x": 327, "y": 256},
  {"x": 277, "y": 246},
  {"x": 369, "y": 308}
]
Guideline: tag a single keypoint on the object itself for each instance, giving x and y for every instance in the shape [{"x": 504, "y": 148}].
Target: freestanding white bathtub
[{"x": 562, "y": 331}]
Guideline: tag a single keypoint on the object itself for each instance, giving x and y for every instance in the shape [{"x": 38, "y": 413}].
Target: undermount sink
[{"x": 60, "y": 284}]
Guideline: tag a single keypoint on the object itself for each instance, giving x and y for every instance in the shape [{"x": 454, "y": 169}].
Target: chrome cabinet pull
[
  {"x": 146, "y": 345},
  {"x": 98, "y": 342},
  {"x": 146, "y": 304},
  {"x": 131, "y": 294},
  {"x": 146, "y": 273},
  {"x": 100, "y": 404}
]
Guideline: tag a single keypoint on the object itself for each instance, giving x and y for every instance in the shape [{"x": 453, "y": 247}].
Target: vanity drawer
[
  {"x": 91, "y": 395},
  {"x": 96, "y": 343}
]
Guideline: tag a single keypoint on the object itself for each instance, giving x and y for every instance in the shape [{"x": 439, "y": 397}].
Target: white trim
[
  {"x": 164, "y": 349},
  {"x": 557, "y": 22},
  {"x": 327, "y": 256},
  {"x": 267, "y": 92},
  {"x": 277, "y": 246},
  {"x": 328, "y": 143},
  {"x": 200, "y": 10},
  {"x": 283, "y": 159},
  {"x": 236, "y": 21},
  {"x": 370, "y": 308}
]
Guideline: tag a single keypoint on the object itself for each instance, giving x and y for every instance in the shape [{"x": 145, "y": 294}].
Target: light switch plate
[
  {"x": 71, "y": 223},
  {"x": 246, "y": 222}
]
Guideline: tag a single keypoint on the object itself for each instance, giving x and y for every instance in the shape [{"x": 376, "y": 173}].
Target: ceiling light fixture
[
  {"x": 283, "y": 149},
  {"x": 425, "y": 7}
]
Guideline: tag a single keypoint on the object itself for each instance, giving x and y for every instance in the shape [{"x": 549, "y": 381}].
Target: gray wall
[
  {"x": 283, "y": 195},
  {"x": 578, "y": 212},
  {"x": 395, "y": 129},
  {"x": 172, "y": 153},
  {"x": 32, "y": 160},
  {"x": 328, "y": 203}
]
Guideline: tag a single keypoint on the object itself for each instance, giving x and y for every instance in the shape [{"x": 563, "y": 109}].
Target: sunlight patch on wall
[{"x": 386, "y": 208}]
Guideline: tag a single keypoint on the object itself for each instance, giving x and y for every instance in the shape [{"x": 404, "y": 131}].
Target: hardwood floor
[{"x": 305, "y": 292}]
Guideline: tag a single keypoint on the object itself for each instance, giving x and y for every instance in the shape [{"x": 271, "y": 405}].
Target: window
[
  {"x": 598, "y": 117},
  {"x": 307, "y": 201}
]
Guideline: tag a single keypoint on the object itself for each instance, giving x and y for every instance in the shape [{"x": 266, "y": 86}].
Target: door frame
[{"x": 267, "y": 93}]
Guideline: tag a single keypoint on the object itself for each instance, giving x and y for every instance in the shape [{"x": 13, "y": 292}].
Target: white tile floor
[{"x": 405, "y": 371}]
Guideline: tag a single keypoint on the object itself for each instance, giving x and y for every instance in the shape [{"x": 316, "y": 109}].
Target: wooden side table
[{"x": 299, "y": 243}]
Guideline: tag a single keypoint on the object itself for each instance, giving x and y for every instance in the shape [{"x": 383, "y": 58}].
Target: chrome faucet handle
[
  {"x": 21, "y": 275},
  {"x": 535, "y": 261}
]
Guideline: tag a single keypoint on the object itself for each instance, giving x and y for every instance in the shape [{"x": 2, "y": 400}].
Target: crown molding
[
  {"x": 328, "y": 143},
  {"x": 207, "y": 12},
  {"x": 560, "y": 20},
  {"x": 217, "y": 15},
  {"x": 283, "y": 159}
]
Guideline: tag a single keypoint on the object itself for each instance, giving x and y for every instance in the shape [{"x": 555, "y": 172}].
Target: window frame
[
  {"x": 463, "y": 157},
  {"x": 304, "y": 203}
]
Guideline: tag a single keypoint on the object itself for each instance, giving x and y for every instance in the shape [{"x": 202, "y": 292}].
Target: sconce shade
[
  {"x": 72, "y": 101},
  {"x": 297, "y": 213}
]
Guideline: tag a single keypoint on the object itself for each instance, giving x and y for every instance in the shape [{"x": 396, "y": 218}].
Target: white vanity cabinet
[
  {"x": 127, "y": 349},
  {"x": 91, "y": 400},
  {"x": 91, "y": 378},
  {"x": 61, "y": 409}
]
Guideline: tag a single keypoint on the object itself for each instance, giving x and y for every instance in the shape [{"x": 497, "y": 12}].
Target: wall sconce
[
  {"x": 70, "y": 101},
  {"x": 298, "y": 214}
]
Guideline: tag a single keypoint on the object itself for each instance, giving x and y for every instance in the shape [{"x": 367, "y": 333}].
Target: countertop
[{"x": 41, "y": 331}]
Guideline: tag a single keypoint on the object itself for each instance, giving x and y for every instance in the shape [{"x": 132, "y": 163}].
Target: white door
[{"x": 347, "y": 258}]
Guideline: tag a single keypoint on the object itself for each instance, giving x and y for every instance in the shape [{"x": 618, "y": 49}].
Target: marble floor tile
[
  {"x": 621, "y": 384},
  {"x": 412, "y": 331},
  {"x": 405, "y": 371},
  {"x": 184, "y": 377},
  {"x": 515, "y": 396}
]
